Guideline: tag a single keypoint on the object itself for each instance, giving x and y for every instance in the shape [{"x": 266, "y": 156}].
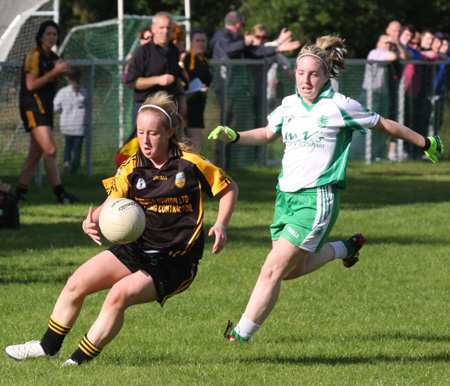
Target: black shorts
[
  {"x": 31, "y": 119},
  {"x": 170, "y": 275},
  {"x": 195, "y": 110}
]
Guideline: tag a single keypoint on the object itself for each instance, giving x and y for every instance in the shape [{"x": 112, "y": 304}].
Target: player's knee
[
  {"x": 270, "y": 273},
  {"x": 115, "y": 300},
  {"x": 76, "y": 288},
  {"x": 50, "y": 151}
]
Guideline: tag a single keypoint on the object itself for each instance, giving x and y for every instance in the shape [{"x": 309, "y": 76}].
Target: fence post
[
  {"x": 401, "y": 112},
  {"x": 433, "y": 98},
  {"x": 368, "y": 155},
  {"x": 89, "y": 108},
  {"x": 262, "y": 150},
  {"x": 219, "y": 145}
]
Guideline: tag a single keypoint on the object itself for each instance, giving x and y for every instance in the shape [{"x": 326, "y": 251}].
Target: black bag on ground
[{"x": 9, "y": 211}]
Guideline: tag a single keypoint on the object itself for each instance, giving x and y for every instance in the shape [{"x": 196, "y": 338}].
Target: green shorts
[{"x": 305, "y": 218}]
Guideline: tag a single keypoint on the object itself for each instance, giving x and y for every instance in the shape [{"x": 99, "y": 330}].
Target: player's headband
[
  {"x": 158, "y": 108},
  {"x": 316, "y": 56}
]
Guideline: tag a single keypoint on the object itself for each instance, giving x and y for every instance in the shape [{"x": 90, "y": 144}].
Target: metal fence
[{"x": 241, "y": 96}]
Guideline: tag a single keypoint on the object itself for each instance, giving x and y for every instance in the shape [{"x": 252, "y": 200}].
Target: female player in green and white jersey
[{"x": 316, "y": 124}]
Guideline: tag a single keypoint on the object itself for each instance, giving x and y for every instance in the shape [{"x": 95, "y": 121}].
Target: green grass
[{"x": 382, "y": 322}]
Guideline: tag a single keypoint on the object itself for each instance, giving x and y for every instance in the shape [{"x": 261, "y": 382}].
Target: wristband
[
  {"x": 224, "y": 228},
  {"x": 235, "y": 140}
]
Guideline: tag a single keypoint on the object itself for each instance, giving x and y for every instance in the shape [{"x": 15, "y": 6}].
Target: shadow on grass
[
  {"x": 49, "y": 273},
  {"x": 367, "y": 188},
  {"x": 381, "y": 191},
  {"x": 44, "y": 236},
  {"x": 143, "y": 359},
  {"x": 351, "y": 360},
  {"x": 394, "y": 239}
]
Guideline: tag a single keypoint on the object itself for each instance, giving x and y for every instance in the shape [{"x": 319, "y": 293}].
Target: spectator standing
[
  {"x": 198, "y": 68},
  {"x": 395, "y": 70},
  {"x": 441, "y": 79},
  {"x": 145, "y": 36},
  {"x": 229, "y": 43},
  {"x": 414, "y": 108},
  {"x": 179, "y": 40},
  {"x": 42, "y": 72},
  {"x": 70, "y": 102},
  {"x": 426, "y": 39},
  {"x": 154, "y": 66},
  {"x": 261, "y": 37},
  {"x": 422, "y": 108},
  {"x": 393, "y": 29},
  {"x": 375, "y": 79}
]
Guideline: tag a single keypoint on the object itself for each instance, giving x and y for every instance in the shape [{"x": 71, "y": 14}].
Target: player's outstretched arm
[
  {"x": 430, "y": 145},
  {"x": 255, "y": 137},
  {"x": 227, "y": 203}
]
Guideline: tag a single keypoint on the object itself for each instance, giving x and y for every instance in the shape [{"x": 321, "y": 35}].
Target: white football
[{"x": 122, "y": 221}]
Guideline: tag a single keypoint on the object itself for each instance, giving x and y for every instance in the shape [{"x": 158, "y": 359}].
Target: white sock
[
  {"x": 340, "y": 250},
  {"x": 246, "y": 328}
]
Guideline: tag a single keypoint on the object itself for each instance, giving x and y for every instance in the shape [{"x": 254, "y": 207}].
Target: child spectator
[{"x": 70, "y": 102}]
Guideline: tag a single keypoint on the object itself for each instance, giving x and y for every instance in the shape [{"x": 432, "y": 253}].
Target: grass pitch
[{"x": 382, "y": 322}]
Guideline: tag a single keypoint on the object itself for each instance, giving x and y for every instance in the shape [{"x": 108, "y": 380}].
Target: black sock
[
  {"x": 85, "y": 352},
  {"x": 59, "y": 190},
  {"x": 21, "y": 190},
  {"x": 54, "y": 336}
]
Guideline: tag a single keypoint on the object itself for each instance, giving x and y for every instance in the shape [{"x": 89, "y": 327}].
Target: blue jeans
[{"x": 74, "y": 143}]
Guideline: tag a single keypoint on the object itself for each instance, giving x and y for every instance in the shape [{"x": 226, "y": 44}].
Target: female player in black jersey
[{"x": 168, "y": 181}]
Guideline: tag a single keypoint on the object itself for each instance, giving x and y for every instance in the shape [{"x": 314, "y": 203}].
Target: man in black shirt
[{"x": 154, "y": 66}]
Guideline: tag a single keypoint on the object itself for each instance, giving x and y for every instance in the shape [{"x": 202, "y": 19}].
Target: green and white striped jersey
[{"x": 317, "y": 138}]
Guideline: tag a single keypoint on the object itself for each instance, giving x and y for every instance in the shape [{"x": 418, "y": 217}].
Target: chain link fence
[{"x": 241, "y": 97}]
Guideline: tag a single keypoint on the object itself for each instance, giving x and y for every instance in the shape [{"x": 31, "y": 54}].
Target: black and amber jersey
[
  {"x": 172, "y": 198},
  {"x": 38, "y": 63},
  {"x": 198, "y": 67}
]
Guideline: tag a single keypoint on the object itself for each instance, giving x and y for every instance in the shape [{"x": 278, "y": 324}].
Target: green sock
[
  {"x": 238, "y": 337},
  {"x": 350, "y": 249}
]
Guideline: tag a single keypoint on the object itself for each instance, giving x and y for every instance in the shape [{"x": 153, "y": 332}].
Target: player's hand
[
  {"x": 91, "y": 228},
  {"x": 221, "y": 237},
  {"x": 433, "y": 146},
  {"x": 223, "y": 133}
]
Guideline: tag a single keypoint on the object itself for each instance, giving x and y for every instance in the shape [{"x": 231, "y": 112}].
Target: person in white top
[
  {"x": 70, "y": 102},
  {"x": 316, "y": 125},
  {"x": 376, "y": 84}
]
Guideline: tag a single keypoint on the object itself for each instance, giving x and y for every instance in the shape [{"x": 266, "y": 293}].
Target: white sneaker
[
  {"x": 392, "y": 157},
  {"x": 69, "y": 362},
  {"x": 66, "y": 167},
  {"x": 31, "y": 349}
]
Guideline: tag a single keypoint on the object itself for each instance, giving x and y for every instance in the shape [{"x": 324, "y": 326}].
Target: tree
[{"x": 360, "y": 22}]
